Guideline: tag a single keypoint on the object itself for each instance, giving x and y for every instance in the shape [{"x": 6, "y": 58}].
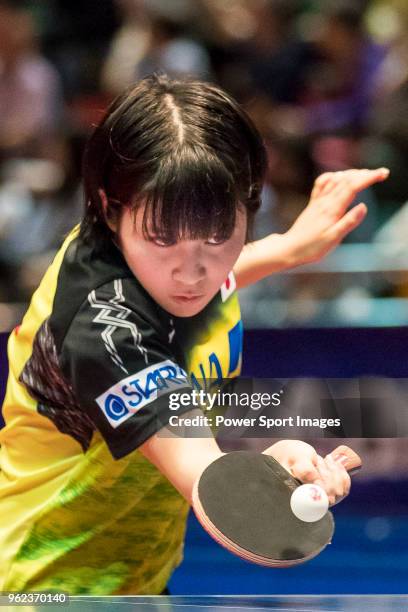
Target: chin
[{"x": 186, "y": 311}]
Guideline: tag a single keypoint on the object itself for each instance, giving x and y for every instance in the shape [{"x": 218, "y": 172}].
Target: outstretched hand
[{"x": 326, "y": 220}]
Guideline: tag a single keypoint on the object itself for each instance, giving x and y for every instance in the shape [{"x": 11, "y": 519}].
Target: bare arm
[
  {"x": 182, "y": 460},
  {"x": 263, "y": 257},
  {"x": 320, "y": 227}
]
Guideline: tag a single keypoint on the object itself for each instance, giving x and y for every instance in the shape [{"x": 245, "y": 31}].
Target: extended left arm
[{"x": 320, "y": 227}]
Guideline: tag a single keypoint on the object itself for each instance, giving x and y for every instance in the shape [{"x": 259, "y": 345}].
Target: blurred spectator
[
  {"x": 76, "y": 39},
  {"x": 255, "y": 47},
  {"x": 388, "y": 22},
  {"x": 31, "y": 150},
  {"x": 326, "y": 83},
  {"x": 39, "y": 204},
  {"x": 128, "y": 46},
  {"x": 341, "y": 87},
  {"x": 386, "y": 142},
  {"x": 30, "y": 94},
  {"x": 148, "y": 42},
  {"x": 173, "y": 51}
]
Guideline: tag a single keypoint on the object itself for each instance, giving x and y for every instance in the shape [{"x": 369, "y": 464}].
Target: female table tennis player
[{"x": 92, "y": 499}]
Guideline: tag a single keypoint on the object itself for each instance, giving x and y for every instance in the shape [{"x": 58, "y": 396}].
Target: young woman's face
[{"x": 182, "y": 277}]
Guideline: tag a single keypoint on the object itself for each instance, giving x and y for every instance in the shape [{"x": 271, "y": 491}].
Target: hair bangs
[{"x": 192, "y": 196}]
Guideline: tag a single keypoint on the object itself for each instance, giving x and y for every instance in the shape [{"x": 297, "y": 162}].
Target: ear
[{"x": 105, "y": 209}]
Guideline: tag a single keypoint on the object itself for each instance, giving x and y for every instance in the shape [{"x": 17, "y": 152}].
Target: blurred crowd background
[{"x": 325, "y": 81}]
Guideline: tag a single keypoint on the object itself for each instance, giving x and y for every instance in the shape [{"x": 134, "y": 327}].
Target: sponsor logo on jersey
[
  {"x": 228, "y": 287},
  {"x": 113, "y": 315},
  {"x": 128, "y": 396}
]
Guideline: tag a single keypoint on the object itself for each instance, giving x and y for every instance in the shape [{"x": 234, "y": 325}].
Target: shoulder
[{"x": 96, "y": 285}]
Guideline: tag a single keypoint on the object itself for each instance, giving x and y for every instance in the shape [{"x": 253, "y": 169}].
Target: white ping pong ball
[{"x": 309, "y": 503}]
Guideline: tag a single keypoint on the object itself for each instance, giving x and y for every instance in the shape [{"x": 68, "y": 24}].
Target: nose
[{"x": 190, "y": 269}]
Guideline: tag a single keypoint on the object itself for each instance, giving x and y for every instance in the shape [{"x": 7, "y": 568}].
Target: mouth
[{"x": 187, "y": 299}]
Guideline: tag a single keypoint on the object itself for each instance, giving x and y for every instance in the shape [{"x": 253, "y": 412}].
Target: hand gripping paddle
[{"x": 242, "y": 500}]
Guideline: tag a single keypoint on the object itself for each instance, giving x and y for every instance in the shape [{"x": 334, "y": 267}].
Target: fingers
[
  {"x": 303, "y": 462},
  {"x": 336, "y": 480},
  {"x": 321, "y": 183},
  {"x": 341, "y": 481},
  {"x": 343, "y": 187},
  {"x": 327, "y": 473},
  {"x": 347, "y": 224},
  {"x": 306, "y": 471}
]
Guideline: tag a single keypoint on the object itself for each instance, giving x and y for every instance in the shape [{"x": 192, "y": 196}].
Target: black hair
[{"x": 183, "y": 147}]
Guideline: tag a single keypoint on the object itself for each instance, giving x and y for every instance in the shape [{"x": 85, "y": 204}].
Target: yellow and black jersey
[{"x": 81, "y": 509}]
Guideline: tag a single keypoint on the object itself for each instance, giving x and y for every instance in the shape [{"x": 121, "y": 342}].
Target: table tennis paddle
[{"x": 242, "y": 500}]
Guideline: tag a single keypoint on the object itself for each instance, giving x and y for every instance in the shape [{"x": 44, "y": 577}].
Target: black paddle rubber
[{"x": 245, "y": 496}]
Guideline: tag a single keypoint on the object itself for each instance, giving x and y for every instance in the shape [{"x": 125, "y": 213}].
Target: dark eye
[
  {"x": 161, "y": 241},
  {"x": 215, "y": 241}
]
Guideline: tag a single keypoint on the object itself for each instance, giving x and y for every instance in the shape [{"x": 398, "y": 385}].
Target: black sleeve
[{"x": 120, "y": 364}]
